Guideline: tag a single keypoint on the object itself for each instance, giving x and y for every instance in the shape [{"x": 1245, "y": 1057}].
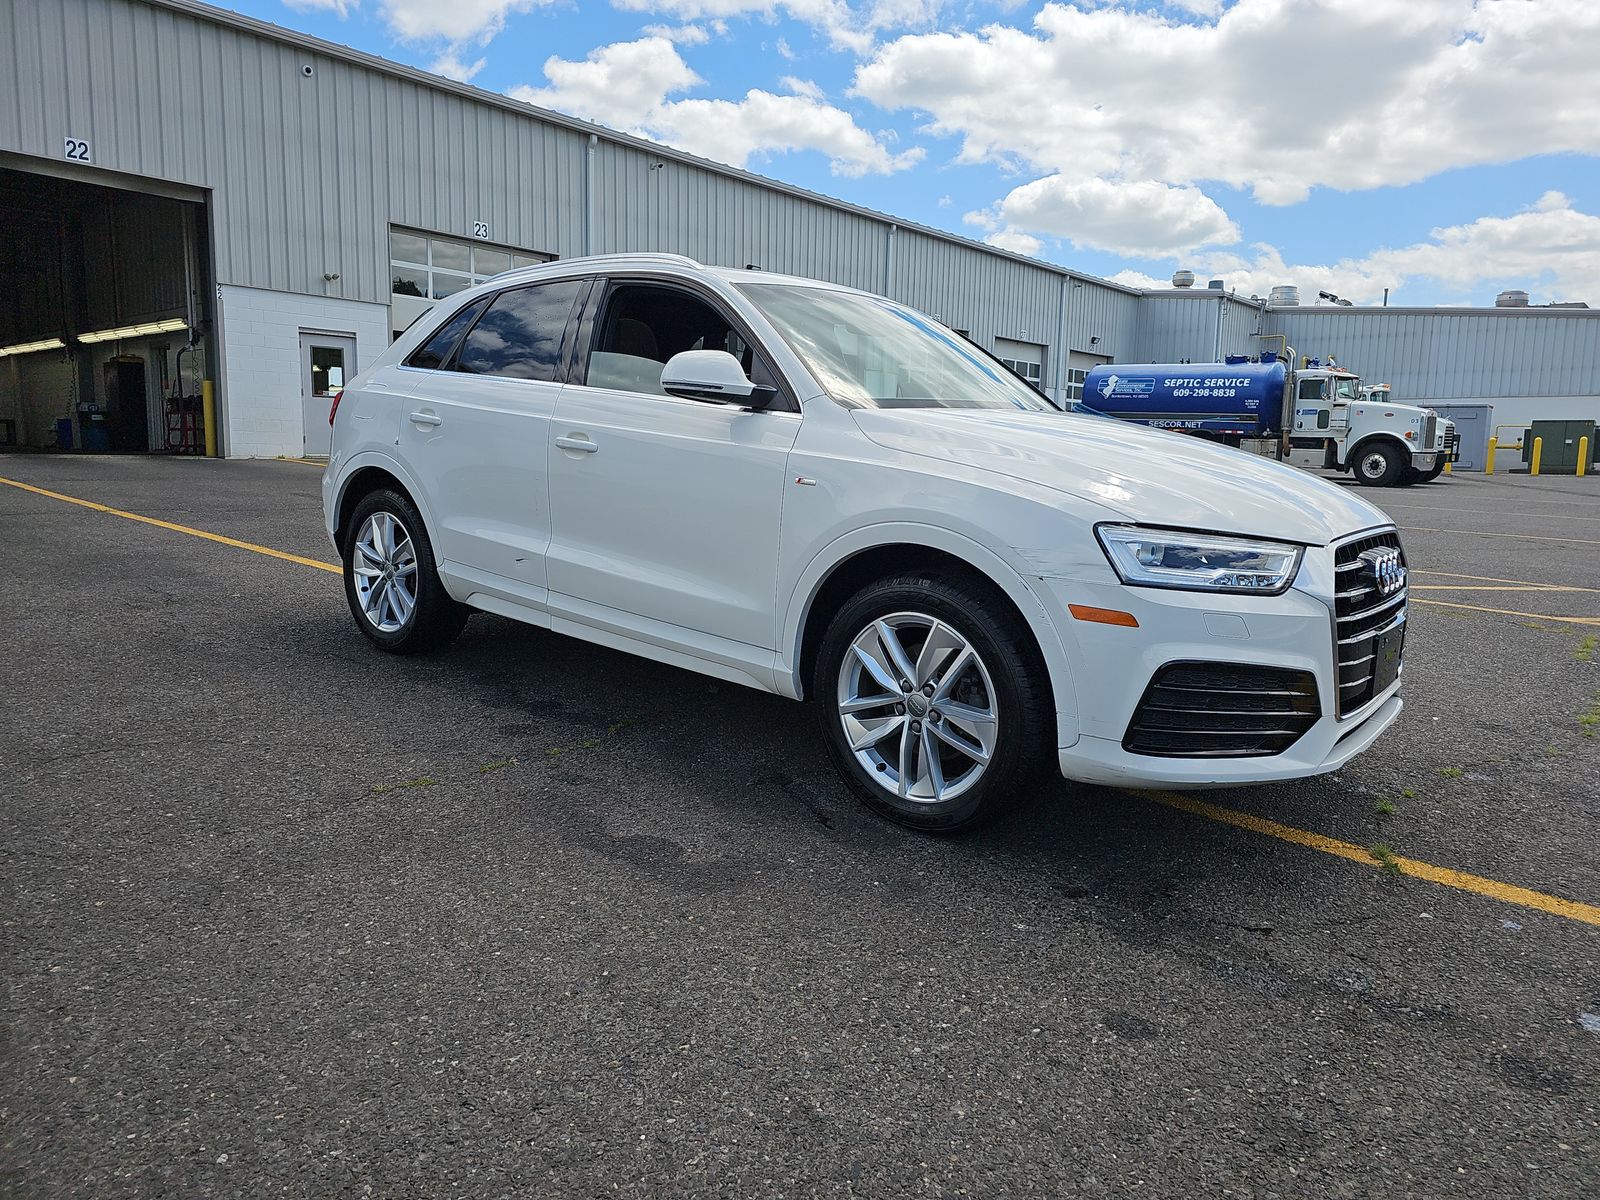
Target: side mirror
[{"x": 714, "y": 376}]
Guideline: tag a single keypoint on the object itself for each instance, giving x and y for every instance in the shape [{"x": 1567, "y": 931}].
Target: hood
[{"x": 1140, "y": 474}]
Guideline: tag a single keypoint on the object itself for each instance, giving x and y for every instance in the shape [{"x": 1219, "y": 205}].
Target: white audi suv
[{"x": 818, "y": 492}]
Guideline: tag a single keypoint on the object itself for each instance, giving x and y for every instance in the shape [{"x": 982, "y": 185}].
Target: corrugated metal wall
[
  {"x": 1448, "y": 355},
  {"x": 307, "y": 174},
  {"x": 1200, "y": 326}
]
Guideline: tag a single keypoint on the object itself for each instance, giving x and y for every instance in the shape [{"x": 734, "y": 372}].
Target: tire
[
  {"x": 1378, "y": 464},
  {"x": 1410, "y": 476},
  {"x": 961, "y": 770},
  {"x": 1438, "y": 470},
  {"x": 383, "y": 525}
]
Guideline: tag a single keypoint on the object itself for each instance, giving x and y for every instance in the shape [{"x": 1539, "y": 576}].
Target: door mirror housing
[{"x": 715, "y": 377}]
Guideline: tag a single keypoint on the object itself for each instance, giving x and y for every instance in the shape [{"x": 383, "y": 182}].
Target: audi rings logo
[{"x": 1385, "y": 569}]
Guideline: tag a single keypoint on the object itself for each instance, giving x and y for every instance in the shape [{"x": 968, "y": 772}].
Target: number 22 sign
[{"x": 77, "y": 150}]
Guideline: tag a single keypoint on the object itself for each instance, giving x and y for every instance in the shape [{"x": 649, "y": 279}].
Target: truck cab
[{"x": 1359, "y": 430}]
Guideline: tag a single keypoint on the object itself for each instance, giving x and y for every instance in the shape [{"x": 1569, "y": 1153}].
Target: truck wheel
[
  {"x": 1379, "y": 464},
  {"x": 1438, "y": 470},
  {"x": 933, "y": 702},
  {"x": 1410, "y": 476}
]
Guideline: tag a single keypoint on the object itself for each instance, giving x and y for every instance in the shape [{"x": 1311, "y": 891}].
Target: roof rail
[{"x": 680, "y": 260}]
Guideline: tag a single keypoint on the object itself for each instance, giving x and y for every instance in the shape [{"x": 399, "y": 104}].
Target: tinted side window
[
  {"x": 432, "y": 353},
  {"x": 644, "y": 326},
  {"x": 520, "y": 336},
  {"x": 1311, "y": 389}
]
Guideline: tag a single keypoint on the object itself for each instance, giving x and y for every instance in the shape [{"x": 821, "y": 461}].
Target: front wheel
[
  {"x": 392, "y": 581},
  {"x": 932, "y": 701},
  {"x": 1379, "y": 465}
]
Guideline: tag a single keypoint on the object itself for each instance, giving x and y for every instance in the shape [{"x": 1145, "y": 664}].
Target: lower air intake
[{"x": 1222, "y": 710}]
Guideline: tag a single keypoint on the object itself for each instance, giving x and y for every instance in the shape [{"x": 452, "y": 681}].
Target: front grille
[
  {"x": 1452, "y": 446},
  {"x": 1222, "y": 710},
  {"x": 1360, "y": 613},
  {"x": 1430, "y": 431}
]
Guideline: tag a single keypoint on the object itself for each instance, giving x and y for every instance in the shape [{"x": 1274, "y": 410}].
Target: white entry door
[{"x": 327, "y": 361}]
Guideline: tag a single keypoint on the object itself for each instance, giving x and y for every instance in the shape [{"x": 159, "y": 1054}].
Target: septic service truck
[{"x": 1313, "y": 407}]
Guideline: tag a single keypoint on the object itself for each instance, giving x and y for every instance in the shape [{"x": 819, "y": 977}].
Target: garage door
[
  {"x": 100, "y": 288},
  {"x": 1025, "y": 358}
]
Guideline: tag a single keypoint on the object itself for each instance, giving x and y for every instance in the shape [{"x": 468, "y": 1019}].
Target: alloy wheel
[
  {"x": 918, "y": 707},
  {"x": 384, "y": 564}
]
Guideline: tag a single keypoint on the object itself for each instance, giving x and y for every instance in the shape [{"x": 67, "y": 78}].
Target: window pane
[
  {"x": 437, "y": 348},
  {"x": 490, "y": 262},
  {"x": 457, "y": 256},
  {"x": 446, "y": 284},
  {"x": 406, "y": 282},
  {"x": 408, "y": 247},
  {"x": 527, "y": 260},
  {"x": 645, "y": 326},
  {"x": 520, "y": 335}
]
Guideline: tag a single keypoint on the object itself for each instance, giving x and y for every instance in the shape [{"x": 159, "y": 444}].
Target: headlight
[{"x": 1203, "y": 562}]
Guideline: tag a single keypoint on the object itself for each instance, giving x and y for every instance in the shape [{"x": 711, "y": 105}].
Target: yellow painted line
[
  {"x": 1487, "y": 587},
  {"x": 1521, "y": 537},
  {"x": 199, "y": 533},
  {"x": 1511, "y": 612},
  {"x": 1497, "y": 579},
  {"x": 310, "y": 462},
  {"x": 1506, "y": 893}
]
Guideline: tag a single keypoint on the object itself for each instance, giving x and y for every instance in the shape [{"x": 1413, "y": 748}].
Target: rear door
[{"x": 476, "y": 430}]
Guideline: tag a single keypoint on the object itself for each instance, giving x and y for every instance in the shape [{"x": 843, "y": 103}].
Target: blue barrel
[
  {"x": 64, "y": 433},
  {"x": 1225, "y": 399}
]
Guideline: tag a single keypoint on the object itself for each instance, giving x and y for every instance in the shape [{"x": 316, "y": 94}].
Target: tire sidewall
[
  {"x": 995, "y": 645},
  {"x": 1392, "y": 469},
  {"x": 421, "y": 630}
]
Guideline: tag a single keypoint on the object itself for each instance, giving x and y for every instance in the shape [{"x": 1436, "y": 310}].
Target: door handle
[
  {"x": 582, "y": 444},
  {"x": 425, "y": 418}
]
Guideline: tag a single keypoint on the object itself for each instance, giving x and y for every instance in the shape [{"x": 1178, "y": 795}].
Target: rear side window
[
  {"x": 436, "y": 349},
  {"x": 520, "y": 336}
]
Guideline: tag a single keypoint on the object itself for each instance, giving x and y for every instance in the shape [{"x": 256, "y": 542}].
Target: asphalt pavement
[{"x": 285, "y": 916}]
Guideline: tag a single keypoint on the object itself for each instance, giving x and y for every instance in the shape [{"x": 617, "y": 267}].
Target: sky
[{"x": 1442, "y": 149}]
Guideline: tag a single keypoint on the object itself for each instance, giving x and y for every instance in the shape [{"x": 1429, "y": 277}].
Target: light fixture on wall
[
  {"x": 171, "y": 325},
  {"x": 33, "y": 347},
  {"x": 329, "y": 276}
]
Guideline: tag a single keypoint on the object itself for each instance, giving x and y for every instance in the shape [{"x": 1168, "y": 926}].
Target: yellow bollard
[
  {"x": 1488, "y": 466},
  {"x": 1538, "y": 449},
  {"x": 208, "y": 414},
  {"x": 1583, "y": 456},
  {"x": 1447, "y": 469}
]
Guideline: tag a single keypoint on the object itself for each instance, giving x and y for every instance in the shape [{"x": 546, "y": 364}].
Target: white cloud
[
  {"x": 1017, "y": 243},
  {"x": 850, "y": 26},
  {"x": 1143, "y": 217},
  {"x": 341, "y": 8},
  {"x": 450, "y": 65},
  {"x": 619, "y": 85},
  {"x": 626, "y": 85},
  {"x": 1278, "y": 96},
  {"x": 456, "y": 21},
  {"x": 800, "y": 87},
  {"x": 1550, "y": 249},
  {"x": 683, "y": 35}
]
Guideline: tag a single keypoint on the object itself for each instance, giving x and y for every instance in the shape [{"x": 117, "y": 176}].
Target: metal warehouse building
[{"x": 193, "y": 198}]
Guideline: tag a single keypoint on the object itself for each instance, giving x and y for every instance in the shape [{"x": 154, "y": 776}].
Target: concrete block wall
[{"x": 261, "y": 368}]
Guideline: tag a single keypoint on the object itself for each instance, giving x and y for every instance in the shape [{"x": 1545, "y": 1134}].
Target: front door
[
  {"x": 327, "y": 361},
  {"x": 660, "y": 507}
]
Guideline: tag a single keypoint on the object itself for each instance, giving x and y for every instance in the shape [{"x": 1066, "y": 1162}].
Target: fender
[
  {"x": 1368, "y": 440},
  {"x": 361, "y": 460},
  {"x": 1002, "y": 573}
]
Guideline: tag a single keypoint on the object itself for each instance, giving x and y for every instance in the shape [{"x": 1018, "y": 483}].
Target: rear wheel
[
  {"x": 1379, "y": 464},
  {"x": 932, "y": 701},
  {"x": 391, "y": 580}
]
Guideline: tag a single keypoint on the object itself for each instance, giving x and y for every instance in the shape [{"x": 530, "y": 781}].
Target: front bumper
[{"x": 1112, "y": 666}]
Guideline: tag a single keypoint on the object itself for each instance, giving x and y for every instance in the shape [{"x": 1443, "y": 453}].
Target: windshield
[
  {"x": 1347, "y": 388},
  {"x": 866, "y": 350}
]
